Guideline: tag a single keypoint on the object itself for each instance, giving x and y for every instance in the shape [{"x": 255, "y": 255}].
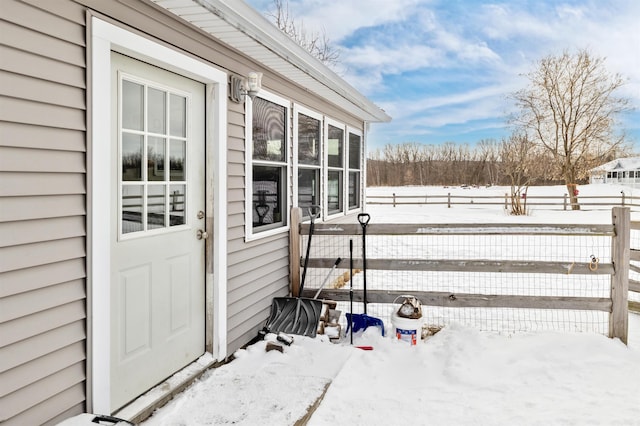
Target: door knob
[{"x": 202, "y": 235}]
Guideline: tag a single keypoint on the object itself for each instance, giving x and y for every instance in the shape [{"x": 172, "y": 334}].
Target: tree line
[{"x": 449, "y": 164}]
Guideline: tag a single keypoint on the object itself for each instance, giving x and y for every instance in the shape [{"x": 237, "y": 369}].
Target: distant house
[
  {"x": 623, "y": 171},
  {"x": 144, "y": 200}
]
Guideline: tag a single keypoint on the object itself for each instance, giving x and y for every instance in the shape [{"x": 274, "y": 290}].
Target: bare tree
[
  {"x": 316, "y": 43},
  {"x": 518, "y": 163},
  {"x": 489, "y": 154},
  {"x": 570, "y": 109}
]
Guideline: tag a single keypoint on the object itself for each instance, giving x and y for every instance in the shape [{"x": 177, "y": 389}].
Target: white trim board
[{"x": 105, "y": 38}]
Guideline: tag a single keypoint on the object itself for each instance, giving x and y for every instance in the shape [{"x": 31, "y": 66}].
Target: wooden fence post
[
  {"x": 565, "y": 201},
  {"x": 449, "y": 200},
  {"x": 394, "y": 199},
  {"x": 294, "y": 250},
  {"x": 619, "y": 317},
  {"x": 506, "y": 200},
  {"x": 623, "y": 195}
]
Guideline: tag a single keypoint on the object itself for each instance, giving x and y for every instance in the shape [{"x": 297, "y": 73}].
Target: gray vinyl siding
[
  {"x": 43, "y": 198},
  {"x": 42, "y": 213},
  {"x": 257, "y": 270}
]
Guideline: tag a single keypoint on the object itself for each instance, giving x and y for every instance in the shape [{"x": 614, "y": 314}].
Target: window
[
  {"x": 308, "y": 126},
  {"x": 269, "y": 164},
  {"x": 153, "y": 135},
  {"x": 355, "y": 155},
  {"x": 335, "y": 169}
]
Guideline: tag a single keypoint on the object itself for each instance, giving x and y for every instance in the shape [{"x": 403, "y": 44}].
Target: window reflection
[
  {"x": 354, "y": 151},
  {"x": 335, "y": 147},
  {"x": 132, "y": 208},
  {"x": 155, "y": 206},
  {"x": 269, "y": 168},
  {"x": 178, "y": 111},
  {"x": 132, "y": 105},
  {"x": 268, "y": 131},
  {"x": 177, "y": 203},
  {"x": 131, "y": 157},
  {"x": 156, "y": 111},
  {"x": 145, "y": 152},
  {"x": 334, "y": 191},
  {"x": 155, "y": 158},
  {"x": 177, "y": 158},
  {"x": 308, "y": 188},
  {"x": 267, "y": 195},
  {"x": 354, "y": 190},
  {"x": 355, "y": 154},
  {"x": 308, "y": 140}
]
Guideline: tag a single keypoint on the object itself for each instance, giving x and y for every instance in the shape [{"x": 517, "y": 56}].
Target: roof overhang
[{"x": 241, "y": 27}]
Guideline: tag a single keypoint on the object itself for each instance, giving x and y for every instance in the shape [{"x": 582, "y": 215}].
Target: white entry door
[{"x": 157, "y": 244}]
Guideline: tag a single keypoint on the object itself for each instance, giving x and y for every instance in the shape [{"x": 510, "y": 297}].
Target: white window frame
[
  {"x": 250, "y": 235},
  {"x": 188, "y": 215},
  {"x": 325, "y": 181},
  {"x": 356, "y": 132},
  {"x": 299, "y": 109}
]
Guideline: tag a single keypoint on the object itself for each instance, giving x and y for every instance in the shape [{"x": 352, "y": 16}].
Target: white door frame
[{"x": 105, "y": 38}]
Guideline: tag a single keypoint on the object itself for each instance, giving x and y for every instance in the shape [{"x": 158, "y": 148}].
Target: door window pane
[
  {"x": 155, "y": 158},
  {"x": 132, "y": 208},
  {"x": 155, "y": 206},
  {"x": 177, "y": 159},
  {"x": 267, "y": 195},
  {"x": 177, "y": 205},
  {"x": 334, "y": 191},
  {"x": 269, "y": 133},
  {"x": 335, "y": 147},
  {"x": 308, "y": 140},
  {"x": 156, "y": 111},
  {"x": 132, "y": 157},
  {"x": 178, "y": 111},
  {"x": 132, "y": 105}
]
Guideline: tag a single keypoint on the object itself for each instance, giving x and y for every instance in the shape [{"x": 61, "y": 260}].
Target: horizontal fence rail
[
  {"x": 484, "y": 267},
  {"x": 561, "y": 201},
  {"x": 634, "y": 268}
]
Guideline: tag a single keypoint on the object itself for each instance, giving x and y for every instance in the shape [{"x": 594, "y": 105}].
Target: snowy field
[{"x": 460, "y": 376}]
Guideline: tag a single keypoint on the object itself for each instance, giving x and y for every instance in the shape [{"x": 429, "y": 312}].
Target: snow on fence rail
[
  {"x": 505, "y": 277},
  {"x": 562, "y": 202}
]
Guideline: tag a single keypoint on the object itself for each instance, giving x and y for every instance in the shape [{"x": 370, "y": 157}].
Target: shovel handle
[
  {"x": 364, "y": 218},
  {"x": 314, "y": 212}
]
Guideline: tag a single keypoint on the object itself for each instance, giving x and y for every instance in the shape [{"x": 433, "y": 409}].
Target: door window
[{"x": 153, "y": 135}]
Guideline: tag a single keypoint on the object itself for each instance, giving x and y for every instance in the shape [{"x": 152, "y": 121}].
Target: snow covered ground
[{"x": 459, "y": 376}]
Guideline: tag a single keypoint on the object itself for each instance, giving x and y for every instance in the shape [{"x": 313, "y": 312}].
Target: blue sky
[{"x": 444, "y": 69}]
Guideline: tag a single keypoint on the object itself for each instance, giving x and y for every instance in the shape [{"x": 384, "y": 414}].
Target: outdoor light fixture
[{"x": 241, "y": 87}]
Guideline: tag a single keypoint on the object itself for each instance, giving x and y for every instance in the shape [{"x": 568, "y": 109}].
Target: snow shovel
[
  {"x": 359, "y": 322},
  {"x": 296, "y": 315}
]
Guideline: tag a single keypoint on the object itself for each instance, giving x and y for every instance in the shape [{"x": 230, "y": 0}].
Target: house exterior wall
[
  {"x": 42, "y": 212},
  {"x": 44, "y": 200}
]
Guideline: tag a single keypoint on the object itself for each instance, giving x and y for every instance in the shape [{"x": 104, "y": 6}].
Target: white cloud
[{"x": 340, "y": 19}]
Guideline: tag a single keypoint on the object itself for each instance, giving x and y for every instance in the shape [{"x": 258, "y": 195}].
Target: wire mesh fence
[
  {"x": 579, "y": 253},
  {"x": 634, "y": 272}
]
